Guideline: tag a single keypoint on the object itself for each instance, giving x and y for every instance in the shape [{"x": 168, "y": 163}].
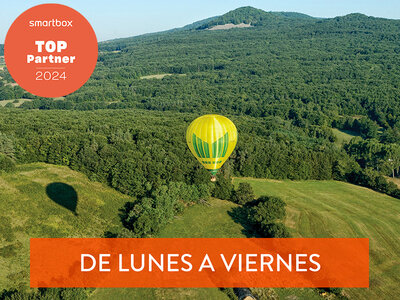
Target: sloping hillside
[
  {"x": 201, "y": 221},
  {"x": 304, "y": 69},
  {"x": 326, "y": 209},
  {"x": 314, "y": 209},
  {"x": 41, "y": 200},
  {"x": 198, "y": 221}
]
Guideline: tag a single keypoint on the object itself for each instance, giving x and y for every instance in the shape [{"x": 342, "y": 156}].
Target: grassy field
[
  {"x": 336, "y": 209},
  {"x": 166, "y": 293},
  {"x": 343, "y": 136},
  {"x": 20, "y": 101},
  {"x": 202, "y": 221},
  {"x": 159, "y": 76},
  {"x": 30, "y": 207},
  {"x": 197, "y": 221}
]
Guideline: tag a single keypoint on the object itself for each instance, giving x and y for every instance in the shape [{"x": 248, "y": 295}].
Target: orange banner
[{"x": 210, "y": 262}]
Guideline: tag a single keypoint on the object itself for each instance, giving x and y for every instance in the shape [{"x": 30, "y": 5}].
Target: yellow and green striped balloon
[{"x": 211, "y": 139}]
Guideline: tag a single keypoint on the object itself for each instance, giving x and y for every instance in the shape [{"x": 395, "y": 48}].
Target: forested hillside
[
  {"x": 307, "y": 76},
  {"x": 309, "y": 70},
  {"x": 256, "y": 17},
  {"x": 311, "y": 98}
]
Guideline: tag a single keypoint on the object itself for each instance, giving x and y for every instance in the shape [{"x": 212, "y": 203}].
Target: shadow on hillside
[
  {"x": 239, "y": 215},
  {"x": 64, "y": 195}
]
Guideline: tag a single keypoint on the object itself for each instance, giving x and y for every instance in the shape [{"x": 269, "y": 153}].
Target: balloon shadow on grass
[{"x": 63, "y": 194}]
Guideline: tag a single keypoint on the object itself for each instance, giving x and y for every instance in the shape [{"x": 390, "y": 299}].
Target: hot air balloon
[{"x": 211, "y": 139}]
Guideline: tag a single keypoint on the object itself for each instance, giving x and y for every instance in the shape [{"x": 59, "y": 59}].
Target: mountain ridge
[
  {"x": 258, "y": 17},
  {"x": 206, "y": 23},
  {"x": 255, "y": 17}
]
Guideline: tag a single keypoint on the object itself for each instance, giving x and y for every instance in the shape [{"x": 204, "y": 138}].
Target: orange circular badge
[{"x": 51, "y": 50}]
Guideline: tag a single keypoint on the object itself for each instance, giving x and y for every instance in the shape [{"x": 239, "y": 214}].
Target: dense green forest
[
  {"x": 285, "y": 82},
  {"x": 134, "y": 150},
  {"x": 308, "y": 69},
  {"x": 301, "y": 77}
]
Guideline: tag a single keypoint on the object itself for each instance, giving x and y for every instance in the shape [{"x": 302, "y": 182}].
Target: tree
[
  {"x": 276, "y": 230},
  {"x": 7, "y": 145},
  {"x": 266, "y": 214},
  {"x": 243, "y": 194},
  {"x": 9, "y": 105},
  {"x": 223, "y": 188},
  {"x": 268, "y": 209},
  {"x": 147, "y": 215},
  {"x": 6, "y": 163},
  {"x": 393, "y": 154}
]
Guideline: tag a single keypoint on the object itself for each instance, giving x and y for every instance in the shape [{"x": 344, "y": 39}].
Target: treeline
[
  {"x": 368, "y": 129},
  {"x": 8, "y": 92},
  {"x": 136, "y": 151},
  {"x": 131, "y": 150},
  {"x": 362, "y": 126},
  {"x": 266, "y": 215},
  {"x": 261, "y": 217},
  {"x": 373, "y": 180},
  {"x": 371, "y": 153}
]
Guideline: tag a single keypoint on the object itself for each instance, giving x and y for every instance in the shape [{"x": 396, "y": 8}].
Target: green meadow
[
  {"x": 202, "y": 221},
  {"x": 314, "y": 209},
  {"x": 27, "y": 211},
  {"x": 198, "y": 221},
  {"x": 327, "y": 209},
  {"x": 343, "y": 136}
]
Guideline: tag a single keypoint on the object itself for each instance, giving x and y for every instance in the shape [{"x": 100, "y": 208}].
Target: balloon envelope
[{"x": 211, "y": 139}]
